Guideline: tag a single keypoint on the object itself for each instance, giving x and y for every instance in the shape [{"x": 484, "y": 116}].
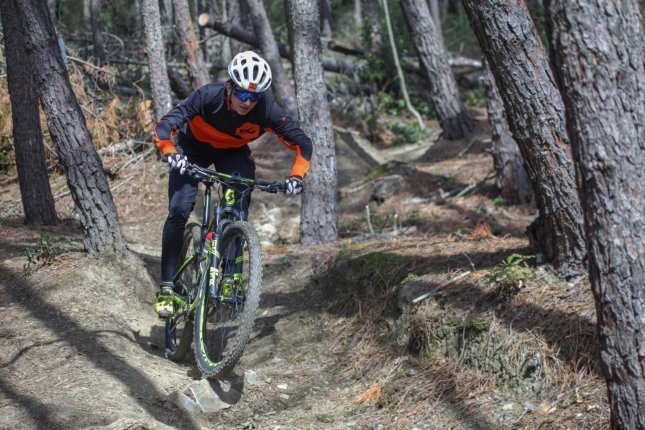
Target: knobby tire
[
  {"x": 179, "y": 328},
  {"x": 221, "y": 334}
]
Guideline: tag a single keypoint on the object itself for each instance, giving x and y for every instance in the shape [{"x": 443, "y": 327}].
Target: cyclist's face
[{"x": 241, "y": 107}]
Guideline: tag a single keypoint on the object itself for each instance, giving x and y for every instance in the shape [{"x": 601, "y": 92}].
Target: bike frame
[{"x": 209, "y": 256}]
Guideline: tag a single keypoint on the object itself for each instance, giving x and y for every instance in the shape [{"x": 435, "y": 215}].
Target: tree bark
[
  {"x": 372, "y": 27},
  {"x": 37, "y": 199},
  {"x": 85, "y": 176},
  {"x": 197, "y": 70},
  {"x": 603, "y": 83},
  {"x": 318, "y": 214},
  {"x": 97, "y": 30},
  {"x": 159, "y": 83},
  {"x": 281, "y": 86},
  {"x": 358, "y": 12},
  {"x": 511, "y": 177},
  {"x": 51, "y": 5},
  {"x": 325, "y": 19},
  {"x": 235, "y": 16},
  {"x": 535, "y": 112},
  {"x": 436, "y": 16},
  {"x": 453, "y": 117}
]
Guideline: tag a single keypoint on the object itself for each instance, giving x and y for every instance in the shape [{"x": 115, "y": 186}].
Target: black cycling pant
[{"x": 182, "y": 192}]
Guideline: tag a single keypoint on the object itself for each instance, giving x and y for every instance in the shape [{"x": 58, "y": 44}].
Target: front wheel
[
  {"x": 179, "y": 327},
  {"x": 223, "y": 324}
]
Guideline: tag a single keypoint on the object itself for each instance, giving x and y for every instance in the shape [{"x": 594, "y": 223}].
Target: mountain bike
[{"x": 217, "y": 282}]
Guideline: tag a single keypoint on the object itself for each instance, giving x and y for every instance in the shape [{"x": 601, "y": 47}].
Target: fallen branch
[
  {"x": 369, "y": 219},
  {"x": 445, "y": 284},
  {"x": 467, "y": 148},
  {"x": 471, "y": 187},
  {"x": 248, "y": 37},
  {"x": 130, "y": 146}
]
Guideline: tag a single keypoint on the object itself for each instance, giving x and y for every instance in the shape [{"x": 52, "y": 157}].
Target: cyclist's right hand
[
  {"x": 293, "y": 185},
  {"x": 177, "y": 162}
]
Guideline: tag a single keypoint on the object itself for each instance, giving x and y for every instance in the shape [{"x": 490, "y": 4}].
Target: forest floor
[{"x": 81, "y": 347}]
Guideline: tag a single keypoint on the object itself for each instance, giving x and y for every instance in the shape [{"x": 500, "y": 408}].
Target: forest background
[{"x": 110, "y": 78}]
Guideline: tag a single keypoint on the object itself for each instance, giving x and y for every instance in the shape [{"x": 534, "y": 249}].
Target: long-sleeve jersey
[{"x": 206, "y": 116}]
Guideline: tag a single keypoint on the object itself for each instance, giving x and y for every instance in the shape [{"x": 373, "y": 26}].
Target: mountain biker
[{"x": 214, "y": 126}]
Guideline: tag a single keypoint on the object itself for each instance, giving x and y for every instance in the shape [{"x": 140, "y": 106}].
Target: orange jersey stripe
[{"x": 215, "y": 138}]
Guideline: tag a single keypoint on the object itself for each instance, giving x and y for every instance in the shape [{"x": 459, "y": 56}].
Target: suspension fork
[{"x": 215, "y": 253}]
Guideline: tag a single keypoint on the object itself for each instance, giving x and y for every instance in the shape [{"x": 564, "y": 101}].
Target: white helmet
[{"x": 250, "y": 72}]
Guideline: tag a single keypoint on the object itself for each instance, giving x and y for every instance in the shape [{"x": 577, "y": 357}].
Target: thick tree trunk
[
  {"x": 318, "y": 214},
  {"x": 536, "y": 117},
  {"x": 160, "y": 85},
  {"x": 603, "y": 83},
  {"x": 197, "y": 70},
  {"x": 281, "y": 85},
  {"x": 511, "y": 177},
  {"x": 85, "y": 176},
  {"x": 37, "y": 199},
  {"x": 453, "y": 117}
]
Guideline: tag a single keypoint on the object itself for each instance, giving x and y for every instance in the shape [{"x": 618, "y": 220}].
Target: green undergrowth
[{"x": 45, "y": 251}]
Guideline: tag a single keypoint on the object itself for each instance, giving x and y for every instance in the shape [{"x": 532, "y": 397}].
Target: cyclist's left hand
[{"x": 293, "y": 185}]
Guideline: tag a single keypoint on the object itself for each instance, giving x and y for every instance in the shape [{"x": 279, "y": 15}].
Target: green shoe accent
[
  {"x": 231, "y": 284},
  {"x": 164, "y": 304},
  {"x": 228, "y": 284}
]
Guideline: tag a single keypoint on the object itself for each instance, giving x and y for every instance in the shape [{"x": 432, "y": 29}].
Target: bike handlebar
[{"x": 208, "y": 175}]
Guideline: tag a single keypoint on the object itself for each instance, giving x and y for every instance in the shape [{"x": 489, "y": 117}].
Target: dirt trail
[{"x": 81, "y": 347}]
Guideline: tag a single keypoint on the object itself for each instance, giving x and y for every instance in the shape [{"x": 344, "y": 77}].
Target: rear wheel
[
  {"x": 223, "y": 324},
  {"x": 179, "y": 327}
]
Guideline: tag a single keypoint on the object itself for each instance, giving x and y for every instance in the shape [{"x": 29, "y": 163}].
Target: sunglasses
[{"x": 246, "y": 95}]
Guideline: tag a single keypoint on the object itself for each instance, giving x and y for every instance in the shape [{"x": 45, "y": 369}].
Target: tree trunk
[
  {"x": 197, "y": 70},
  {"x": 165, "y": 12},
  {"x": 436, "y": 16},
  {"x": 397, "y": 64},
  {"x": 535, "y": 113},
  {"x": 318, "y": 214},
  {"x": 326, "y": 19},
  {"x": 281, "y": 85},
  {"x": 603, "y": 84},
  {"x": 234, "y": 16},
  {"x": 200, "y": 8},
  {"x": 372, "y": 27},
  {"x": 453, "y": 117},
  {"x": 511, "y": 177},
  {"x": 159, "y": 83},
  {"x": 85, "y": 176},
  {"x": 37, "y": 199},
  {"x": 97, "y": 30},
  {"x": 87, "y": 16}
]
